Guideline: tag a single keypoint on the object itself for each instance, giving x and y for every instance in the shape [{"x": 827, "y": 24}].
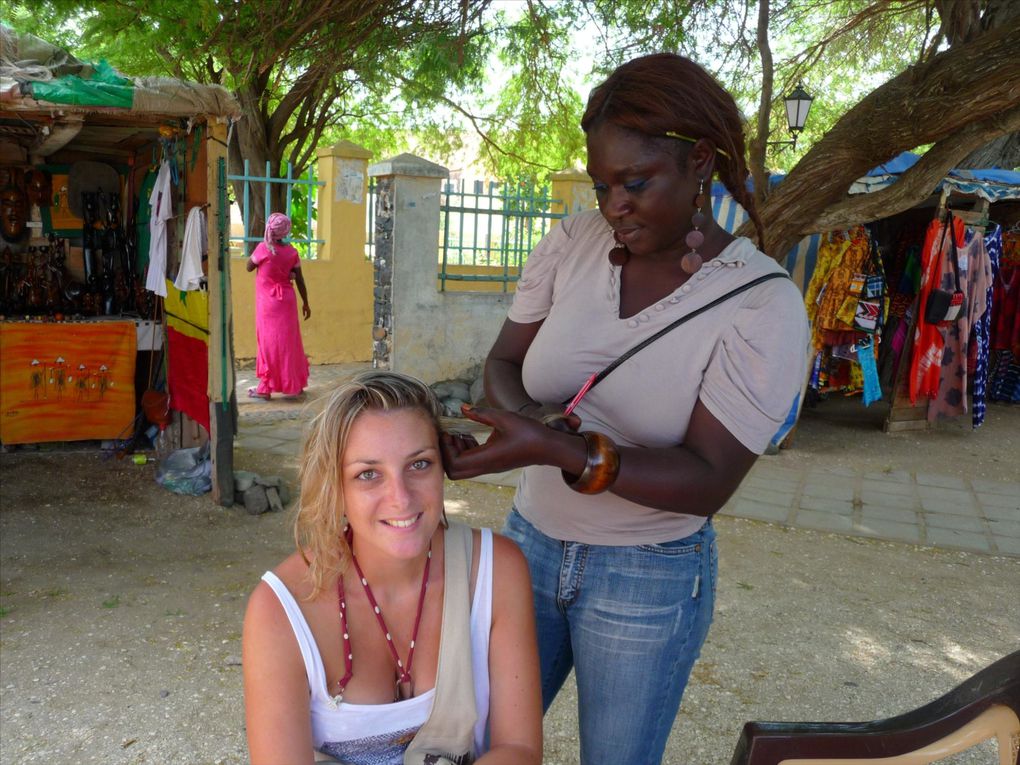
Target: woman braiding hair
[{"x": 647, "y": 360}]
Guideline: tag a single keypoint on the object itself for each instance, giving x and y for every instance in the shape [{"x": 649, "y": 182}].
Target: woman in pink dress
[{"x": 281, "y": 364}]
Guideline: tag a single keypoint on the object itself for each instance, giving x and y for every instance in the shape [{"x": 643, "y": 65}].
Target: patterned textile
[
  {"x": 829, "y": 255},
  {"x": 845, "y": 303},
  {"x": 856, "y": 255},
  {"x": 1005, "y": 382},
  {"x": 929, "y": 342},
  {"x": 982, "y": 332},
  {"x": 66, "y": 381},
  {"x": 385, "y": 749},
  {"x": 975, "y": 278}
]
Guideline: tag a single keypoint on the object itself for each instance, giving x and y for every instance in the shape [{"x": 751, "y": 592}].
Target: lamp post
[{"x": 798, "y": 104}]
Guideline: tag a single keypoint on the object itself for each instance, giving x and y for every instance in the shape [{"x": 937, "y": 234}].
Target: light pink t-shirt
[{"x": 745, "y": 359}]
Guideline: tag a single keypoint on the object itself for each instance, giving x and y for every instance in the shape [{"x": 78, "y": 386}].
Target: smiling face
[
  {"x": 392, "y": 478},
  {"x": 641, "y": 190}
]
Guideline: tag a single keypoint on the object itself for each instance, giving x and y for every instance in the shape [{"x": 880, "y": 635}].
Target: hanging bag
[
  {"x": 868, "y": 311},
  {"x": 946, "y": 305}
]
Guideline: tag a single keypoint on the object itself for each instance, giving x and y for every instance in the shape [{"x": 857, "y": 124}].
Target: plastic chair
[{"x": 985, "y": 706}]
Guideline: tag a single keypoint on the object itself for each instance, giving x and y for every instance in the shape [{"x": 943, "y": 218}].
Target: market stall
[
  {"x": 867, "y": 293},
  {"x": 109, "y": 200}
]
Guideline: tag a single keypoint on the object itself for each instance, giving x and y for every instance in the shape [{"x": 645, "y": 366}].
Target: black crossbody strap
[{"x": 687, "y": 317}]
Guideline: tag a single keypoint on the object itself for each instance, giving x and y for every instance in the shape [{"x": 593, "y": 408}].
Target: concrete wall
[
  {"x": 418, "y": 329},
  {"x": 430, "y": 334},
  {"x": 339, "y": 282}
]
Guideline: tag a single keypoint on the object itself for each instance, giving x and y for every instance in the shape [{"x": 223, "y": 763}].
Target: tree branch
[
  {"x": 918, "y": 182},
  {"x": 761, "y": 137},
  {"x": 966, "y": 84}
]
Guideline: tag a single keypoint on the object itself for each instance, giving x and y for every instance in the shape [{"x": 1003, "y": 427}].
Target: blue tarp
[
  {"x": 992, "y": 175},
  {"x": 993, "y": 183},
  {"x": 896, "y": 165}
]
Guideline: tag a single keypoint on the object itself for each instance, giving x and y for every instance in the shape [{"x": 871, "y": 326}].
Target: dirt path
[
  {"x": 841, "y": 432},
  {"x": 121, "y": 608}
]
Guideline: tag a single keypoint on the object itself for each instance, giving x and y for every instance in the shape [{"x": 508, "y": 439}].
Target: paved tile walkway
[{"x": 916, "y": 508}]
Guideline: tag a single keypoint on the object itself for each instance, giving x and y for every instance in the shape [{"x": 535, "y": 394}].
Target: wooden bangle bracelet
[{"x": 601, "y": 465}]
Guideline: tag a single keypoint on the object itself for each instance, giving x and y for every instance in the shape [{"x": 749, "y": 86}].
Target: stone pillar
[
  {"x": 406, "y": 260},
  {"x": 573, "y": 188}
]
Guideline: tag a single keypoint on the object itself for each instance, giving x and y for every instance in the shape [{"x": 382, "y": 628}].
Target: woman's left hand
[{"x": 306, "y": 311}]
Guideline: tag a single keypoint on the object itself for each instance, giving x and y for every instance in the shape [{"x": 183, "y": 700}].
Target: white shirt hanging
[
  {"x": 196, "y": 244},
  {"x": 161, "y": 210}
]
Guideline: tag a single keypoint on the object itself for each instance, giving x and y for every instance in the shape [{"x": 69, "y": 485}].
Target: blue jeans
[{"x": 630, "y": 621}]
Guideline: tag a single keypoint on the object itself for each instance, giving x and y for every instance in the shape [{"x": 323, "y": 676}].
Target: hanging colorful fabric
[
  {"x": 846, "y": 351},
  {"x": 816, "y": 369},
  {"x": 873, "y": 286},
  {"x": 866, "y": 318},
  {"x": 848, "y": 310},
  {"x": 866, "y": 359}
]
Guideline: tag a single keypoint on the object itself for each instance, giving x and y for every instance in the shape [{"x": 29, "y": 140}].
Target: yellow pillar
[
  {"x": 573, "y": 188},
  {"x": 339, "y": 280}
]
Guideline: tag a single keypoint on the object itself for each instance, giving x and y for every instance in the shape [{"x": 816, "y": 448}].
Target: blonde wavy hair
[{"x": 320, "y": 518}]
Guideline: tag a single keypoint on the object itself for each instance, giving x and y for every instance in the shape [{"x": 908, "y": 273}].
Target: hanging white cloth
[
  {"x": 196, "y": 244},
  {"x": 161, "y": 210}
]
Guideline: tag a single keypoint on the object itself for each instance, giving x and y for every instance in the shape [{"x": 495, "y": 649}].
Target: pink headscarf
[{"x": 277, "y": 227}]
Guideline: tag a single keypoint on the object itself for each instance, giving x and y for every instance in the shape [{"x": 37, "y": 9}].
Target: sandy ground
[{"x": 121, "y": 606}]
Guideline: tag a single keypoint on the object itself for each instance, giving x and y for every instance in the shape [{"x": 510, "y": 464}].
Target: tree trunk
[
  {"x": 759, "y": 144},
  {"x": 1003, "y": 152},
  {"x": 969, "y": 84},
  {"x": 250, "y": 142}
]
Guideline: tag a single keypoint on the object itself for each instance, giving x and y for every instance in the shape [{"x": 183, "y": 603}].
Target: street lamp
[{"x": 798, "y": 104}]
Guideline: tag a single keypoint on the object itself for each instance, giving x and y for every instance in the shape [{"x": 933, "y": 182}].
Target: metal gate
[
  {"x": 300, "y": 207},
  {"x": 494, "y": 227}
]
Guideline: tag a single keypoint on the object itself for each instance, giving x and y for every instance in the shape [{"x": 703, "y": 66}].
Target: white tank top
[{"x": 378, "y": 734}]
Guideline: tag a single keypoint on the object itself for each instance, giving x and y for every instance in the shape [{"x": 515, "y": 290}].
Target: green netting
[{"x": 106, "y": 87}]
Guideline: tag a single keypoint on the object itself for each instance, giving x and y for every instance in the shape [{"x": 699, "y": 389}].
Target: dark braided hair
[{"x": 664, "y": 93}]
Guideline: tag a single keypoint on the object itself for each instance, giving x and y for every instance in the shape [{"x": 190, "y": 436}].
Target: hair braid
[{"x": 733, "y": 173}]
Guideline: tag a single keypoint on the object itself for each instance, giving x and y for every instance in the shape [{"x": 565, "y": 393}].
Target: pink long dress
[{"x": 281, "y": 364}]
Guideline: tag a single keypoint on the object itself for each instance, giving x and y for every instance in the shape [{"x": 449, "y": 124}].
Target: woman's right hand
[{"x": 517, "y": 440}]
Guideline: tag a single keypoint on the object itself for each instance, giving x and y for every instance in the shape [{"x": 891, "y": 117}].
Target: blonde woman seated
[{"x": 389, "y": 636}]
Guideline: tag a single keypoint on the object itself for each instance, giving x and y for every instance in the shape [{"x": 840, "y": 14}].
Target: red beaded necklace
[{"x": 403, "y": 673}]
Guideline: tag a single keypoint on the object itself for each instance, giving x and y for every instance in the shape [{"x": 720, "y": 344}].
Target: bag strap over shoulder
[
  {"x": 600, "y": 376},
  {"x": 448, "y": 733}
]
